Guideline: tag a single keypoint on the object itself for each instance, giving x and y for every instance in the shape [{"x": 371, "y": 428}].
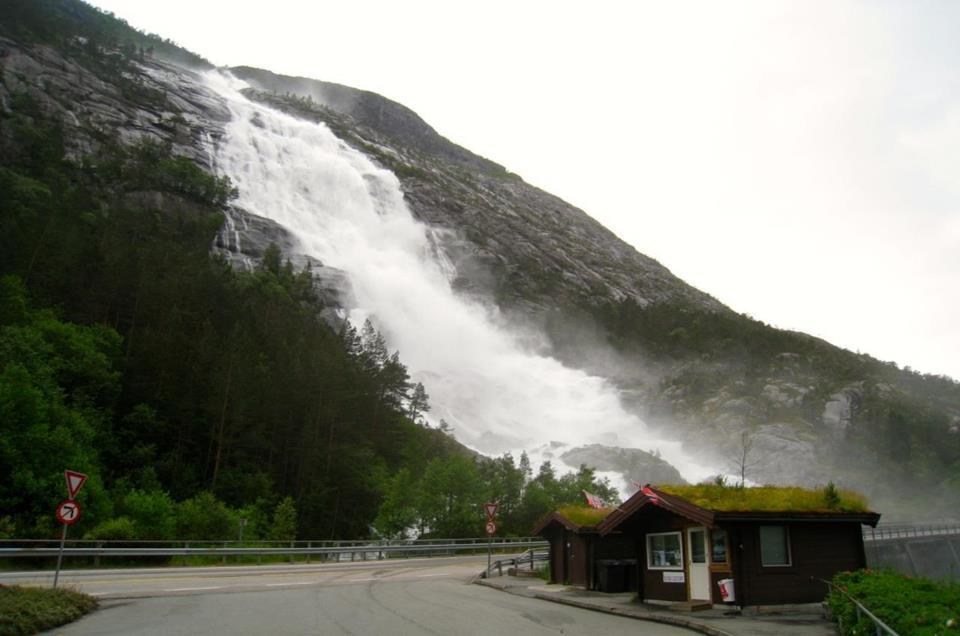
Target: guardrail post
[
  {"x": 96, "y": 558},
  {"x": 309, "y": 547},
  {"x": 186, "y": 548},
  {"x": 224, "y": 560}
]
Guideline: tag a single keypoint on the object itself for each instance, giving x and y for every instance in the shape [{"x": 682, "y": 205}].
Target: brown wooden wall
[
  {"x": 818, "y": 549},
  {"x": 651, "y": 581}
]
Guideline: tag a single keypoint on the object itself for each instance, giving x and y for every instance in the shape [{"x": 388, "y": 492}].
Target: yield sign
[
  {"x": 491, "y": 509},
  {"x": 74, "y": 482}
]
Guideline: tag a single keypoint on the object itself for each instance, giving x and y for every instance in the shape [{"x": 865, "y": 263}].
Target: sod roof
[{"x": 768, "y": 498}]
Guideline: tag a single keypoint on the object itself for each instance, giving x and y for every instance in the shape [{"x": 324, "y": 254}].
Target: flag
[
  {"x": 648, "y": 491},
  {"x": 592, "y": 500}
]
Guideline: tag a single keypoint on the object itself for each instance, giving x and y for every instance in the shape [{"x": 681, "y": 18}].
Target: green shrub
[
  {"x": 117, "y": 529},
  {"x": 205, "y": 518},
  {"x": 28, "y": 610},
  {"x": 906, "y": 605},
  {"x": 284, "y": 527},
  {"x": 153, "y": 513}
]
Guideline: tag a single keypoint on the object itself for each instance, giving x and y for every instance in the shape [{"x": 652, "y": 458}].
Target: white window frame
[
  {"x": 786, "y": 540},
  {"x": 679, "y": 536}
]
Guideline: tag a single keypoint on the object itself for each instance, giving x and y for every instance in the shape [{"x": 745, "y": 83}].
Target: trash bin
[
  {"x": 611, "y": 576},
  {"x": 727, "y": 593},
  {"x": 630, "y": 575}
]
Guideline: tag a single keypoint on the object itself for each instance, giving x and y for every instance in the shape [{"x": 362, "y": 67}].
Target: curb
[{"x": 678, "y": 621}]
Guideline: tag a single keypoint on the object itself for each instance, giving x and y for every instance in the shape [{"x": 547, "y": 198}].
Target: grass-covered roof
[
  {"x": 583, "y": 515},
  {"x": 769, "y": 498}
]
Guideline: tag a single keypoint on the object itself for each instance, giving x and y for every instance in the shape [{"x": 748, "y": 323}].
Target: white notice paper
[{"x": 673, "y": 577}]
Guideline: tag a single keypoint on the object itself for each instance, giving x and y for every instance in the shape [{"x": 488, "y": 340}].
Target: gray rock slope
[{"x": 508, "y": 240}]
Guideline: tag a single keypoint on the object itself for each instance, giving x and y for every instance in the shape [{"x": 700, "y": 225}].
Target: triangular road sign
[
  {"x": 491, "y": 509},
  {"x": 74, "y": 482}
]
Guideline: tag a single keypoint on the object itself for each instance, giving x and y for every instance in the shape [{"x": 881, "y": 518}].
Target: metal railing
[
  {"x": 330, "y": 550},
  {"x": 880, "y": 627},
  {"x": 897, "y": 531},
  {"x": 531, "y": 556}
]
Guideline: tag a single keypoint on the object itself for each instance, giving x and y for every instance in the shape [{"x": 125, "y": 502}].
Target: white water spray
[{"x": 350, "y": 214}]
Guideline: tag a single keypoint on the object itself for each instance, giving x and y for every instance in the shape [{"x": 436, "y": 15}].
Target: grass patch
[
  {"x": 28, "y": 610},
  {"x": 769, "y": 498},
  {"x": 908, "y": 606},
  {"x": 584, "y": 516}
]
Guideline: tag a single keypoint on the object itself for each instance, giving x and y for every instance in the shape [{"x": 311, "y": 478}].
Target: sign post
[
  {"x": 68, "y": 513},
  {"x": 491, "y": 508}
]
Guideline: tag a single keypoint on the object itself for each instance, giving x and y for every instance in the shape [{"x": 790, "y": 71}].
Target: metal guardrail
[
  {"x": 366, "y": 549},
  {"x": 897, "y": 531},
  {"x": 530, "y": 556},
  {"x": 880, "y": 627}
]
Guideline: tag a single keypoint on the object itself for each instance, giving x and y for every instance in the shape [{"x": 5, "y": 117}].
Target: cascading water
[{"x": 350, "y": 214}]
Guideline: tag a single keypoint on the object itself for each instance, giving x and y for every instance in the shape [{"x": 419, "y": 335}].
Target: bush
[
  {"x": 28, "y": 610},
  {"x": 906, "y": 605},
  {"x": 205, "y": 518},
  {"x": 284, "y": 526},
  {"x": 153, "y": 513},
  {"x": 117, "y": 529}
]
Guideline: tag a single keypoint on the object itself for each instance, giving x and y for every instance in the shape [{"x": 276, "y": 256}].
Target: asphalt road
[{"x": 416, "y": 596}]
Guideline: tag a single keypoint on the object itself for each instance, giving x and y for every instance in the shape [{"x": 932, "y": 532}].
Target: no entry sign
[{"x": 68, "y": 512}]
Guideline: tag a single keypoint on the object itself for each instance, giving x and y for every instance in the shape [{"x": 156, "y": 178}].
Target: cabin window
[
  {"x": 774, "y": 546},
  {"x": 664, "y": 551},
  {"x": 718, "y": 546}
]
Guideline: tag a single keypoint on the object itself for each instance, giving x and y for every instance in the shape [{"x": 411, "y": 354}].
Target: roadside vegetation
[
  {"x": 28, "y": 610},
  {"x": 908, "y": 606}
]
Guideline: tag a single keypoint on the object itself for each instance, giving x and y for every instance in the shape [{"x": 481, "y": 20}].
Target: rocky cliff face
[
  {"x": 508, "y": 240},
  {"x": 121, "y": 101}
]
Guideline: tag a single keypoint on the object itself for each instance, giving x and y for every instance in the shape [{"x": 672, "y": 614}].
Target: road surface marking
[
  {"x": 191, "y": 589},
  {"x": 290, "y": 583}
]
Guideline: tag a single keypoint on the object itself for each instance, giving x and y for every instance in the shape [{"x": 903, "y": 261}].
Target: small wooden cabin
[
  {"x": 580, "y": 556},
  {"x": 683, "y": 549}
]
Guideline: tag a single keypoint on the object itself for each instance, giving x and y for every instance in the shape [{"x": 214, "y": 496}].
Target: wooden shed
[
  {"x": 773, "y": 557},
  {"x": 579, "y": 555}
]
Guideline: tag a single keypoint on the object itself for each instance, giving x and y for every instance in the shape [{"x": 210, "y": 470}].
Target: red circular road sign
[
  {"x": 491, "y": 527},
  {"x": 68, "y": 512}
]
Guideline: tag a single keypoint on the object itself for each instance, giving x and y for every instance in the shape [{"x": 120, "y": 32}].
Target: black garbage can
[
  {"x": 630, "y": 575},
  {"x": 611, "y": 576}
]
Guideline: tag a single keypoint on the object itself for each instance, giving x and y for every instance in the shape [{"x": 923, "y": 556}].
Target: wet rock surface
[{"x": 633, "y": 464}]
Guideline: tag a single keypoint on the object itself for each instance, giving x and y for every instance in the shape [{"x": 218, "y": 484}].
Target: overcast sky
[{"x": 796, "y": 160}]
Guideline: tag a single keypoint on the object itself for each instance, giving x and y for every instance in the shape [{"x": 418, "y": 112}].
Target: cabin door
[{"x": 699, "y": 568}]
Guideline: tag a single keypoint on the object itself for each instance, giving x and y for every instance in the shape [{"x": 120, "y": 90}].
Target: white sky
[{"x": 797, "y": 160}]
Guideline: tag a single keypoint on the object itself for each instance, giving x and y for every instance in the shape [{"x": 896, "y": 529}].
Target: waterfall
[{"x": 350, "y": 214}]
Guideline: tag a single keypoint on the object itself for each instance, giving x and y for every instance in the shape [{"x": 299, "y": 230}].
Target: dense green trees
[{"x": 446, "y": 499}]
